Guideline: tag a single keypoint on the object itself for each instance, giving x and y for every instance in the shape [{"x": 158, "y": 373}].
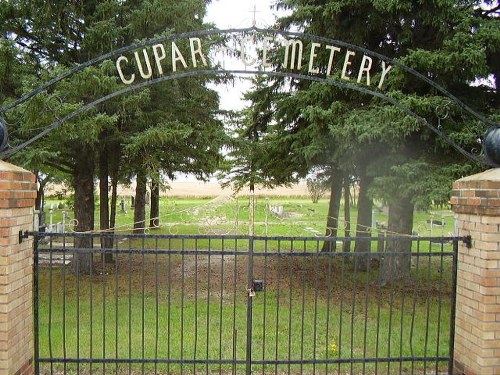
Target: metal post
[
  {"x": 453, "y": 304},
  {"x": 250, "y": 295},
  {"x": 64, "y": 222},
  {"x": 51, "y": 216},
  {"x": 36, "y": 341}
]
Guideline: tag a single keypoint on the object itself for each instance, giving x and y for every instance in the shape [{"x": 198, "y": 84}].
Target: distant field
[{"x": 202, "y": 189}]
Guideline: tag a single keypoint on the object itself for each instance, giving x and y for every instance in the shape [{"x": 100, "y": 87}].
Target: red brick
[
  {"x": 468, "y": 193},
  {"x": 495, "y": 202},
  {"x": 492, "y": 185},
  {"x": 487, "y": 193},
  {"x": 7, "y": 175}
]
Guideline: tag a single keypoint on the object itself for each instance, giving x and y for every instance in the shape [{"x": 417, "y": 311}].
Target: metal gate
[{"x": 237, "y": 304}]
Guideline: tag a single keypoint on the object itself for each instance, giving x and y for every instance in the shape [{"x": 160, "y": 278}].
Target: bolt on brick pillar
[
  {"x": 476, "y": 204},
  {"x": 17, "y": 199}
]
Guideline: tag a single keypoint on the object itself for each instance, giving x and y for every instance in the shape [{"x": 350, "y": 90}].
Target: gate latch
[{"x": 257, "y": 286}]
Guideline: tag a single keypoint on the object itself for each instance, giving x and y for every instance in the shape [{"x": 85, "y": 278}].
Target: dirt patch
[{"x": 223, "y": 276}]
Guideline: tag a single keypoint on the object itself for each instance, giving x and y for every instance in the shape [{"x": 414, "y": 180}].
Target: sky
[
  {"x": 240, "y": 13},
  {"x": 227, "y": 14}
]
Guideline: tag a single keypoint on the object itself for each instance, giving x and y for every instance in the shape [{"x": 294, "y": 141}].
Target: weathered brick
[
  {"x": 17, "y": 193},
  {"x": 487, "y": 193},
  {"x": 476, "y": 203},
  {"x": 487, "y": 228}
]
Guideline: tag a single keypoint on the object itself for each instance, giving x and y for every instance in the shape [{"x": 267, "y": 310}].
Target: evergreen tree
[
  {"x": 56, "y": 36},
  {"x": 452, "y": 43}
]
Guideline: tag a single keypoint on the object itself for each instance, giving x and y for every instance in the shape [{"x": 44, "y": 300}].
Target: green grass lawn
[
  {"x": 230, "y": 216},
  {"x": 185, "y": 307},
  {"x": 145, "y": 307}
]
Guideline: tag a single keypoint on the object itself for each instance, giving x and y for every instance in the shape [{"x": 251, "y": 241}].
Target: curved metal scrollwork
[
  {"x": 492, "y": 158},
  {"x": 3, "y": 134}
]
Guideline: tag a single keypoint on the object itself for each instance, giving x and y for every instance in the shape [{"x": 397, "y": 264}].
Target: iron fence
[{"x": 238, "y": 304}]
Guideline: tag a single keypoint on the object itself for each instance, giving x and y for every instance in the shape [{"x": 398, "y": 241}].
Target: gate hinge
[
  {"x": 23, "y": 235},
  {"x": 467, "y": 240}
]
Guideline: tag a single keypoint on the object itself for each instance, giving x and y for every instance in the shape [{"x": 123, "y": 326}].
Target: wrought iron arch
[{"x": 492, "y": 130}]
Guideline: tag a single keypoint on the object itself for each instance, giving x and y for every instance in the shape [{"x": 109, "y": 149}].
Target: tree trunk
[
  {"x": 154, "y": 213},
  {"x": 354, "y": 203},
  {"x": 364, "y": 222},
  {"x": 114, "y": 166},
  {"x": 140, "y": 203},
  {"x": 106, "y": 242},
  {"x": 332, "y": 220},
  {"x": 365, "y": 207},
  {"x": 83, "y": 184},
  {"x": 114, "y": 199},
  {"x": 347, "y": 214},
  {"x": 39, "y": 193},
  {"x": 396, "y": 264}
]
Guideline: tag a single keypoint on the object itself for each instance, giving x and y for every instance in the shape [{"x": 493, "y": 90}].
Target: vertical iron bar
[
  {"x": 391, "y": 312},
  {"x": 304, "y": 272},
  {"x": 103, "y": 255},
  {"x": 315, "y": 322},
  {"x": 440, "y": 302},
  {"x": 264, "y": 302},
  {"x": 143, "y": 304},
  {"x": 367, "y": 293},
  {"x": 209, "y": 274},
  {"x": 36, "y": 301},
  {"x": 157, "y": 306},
  {"x": 412, "y": 327},
  {"x": 248, "y": 364},
  {"x": 290, "y": 303},
  {"x": 169, "y": 305},
  {"x": 402, "y": 312},
  {"x": 77, "y": 311},
  {"x": 379, "y": 308},
  {"x": 130, "y": 306},
  {"x": 235, "y": 331},
  {"x": 91, "y": 311},
  {"x": 116, "y": 303},
  {"x": 453, "y": 304},
  {"x": 341, "y": 304},
  {"x": 328, "y": 304},
  {"x": 63, "y": 271},
  {"x": 196, "y": 304},
  {"x": 221, "y": 305},
  {"x": 278, "y": 289},
  {"x": 428, "y": 305},
  {"x": 235, "y": 338},
  {"x": 183, "y": 270},
  {"x": 353, "y": 304},
  {"x": 51, "y": 353}
]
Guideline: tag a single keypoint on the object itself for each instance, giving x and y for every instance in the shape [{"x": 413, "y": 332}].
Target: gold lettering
[
  {"x": 196, "y": 50},
  {"x": 366, "y": 65},
  {"x": 139, "y": 64},
  {"x": 177, "y": 56},
  {"x": 313, "y": 54},
  {"x": 347, "y": 64},
  {"x": 333, "y": 50},
  {"x": 120, "y": 71}
]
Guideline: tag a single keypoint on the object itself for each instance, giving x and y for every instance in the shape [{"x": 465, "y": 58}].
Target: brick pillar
[
  {"x": 17, "y": 199},
  {"x": 476, "y": 204}
]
